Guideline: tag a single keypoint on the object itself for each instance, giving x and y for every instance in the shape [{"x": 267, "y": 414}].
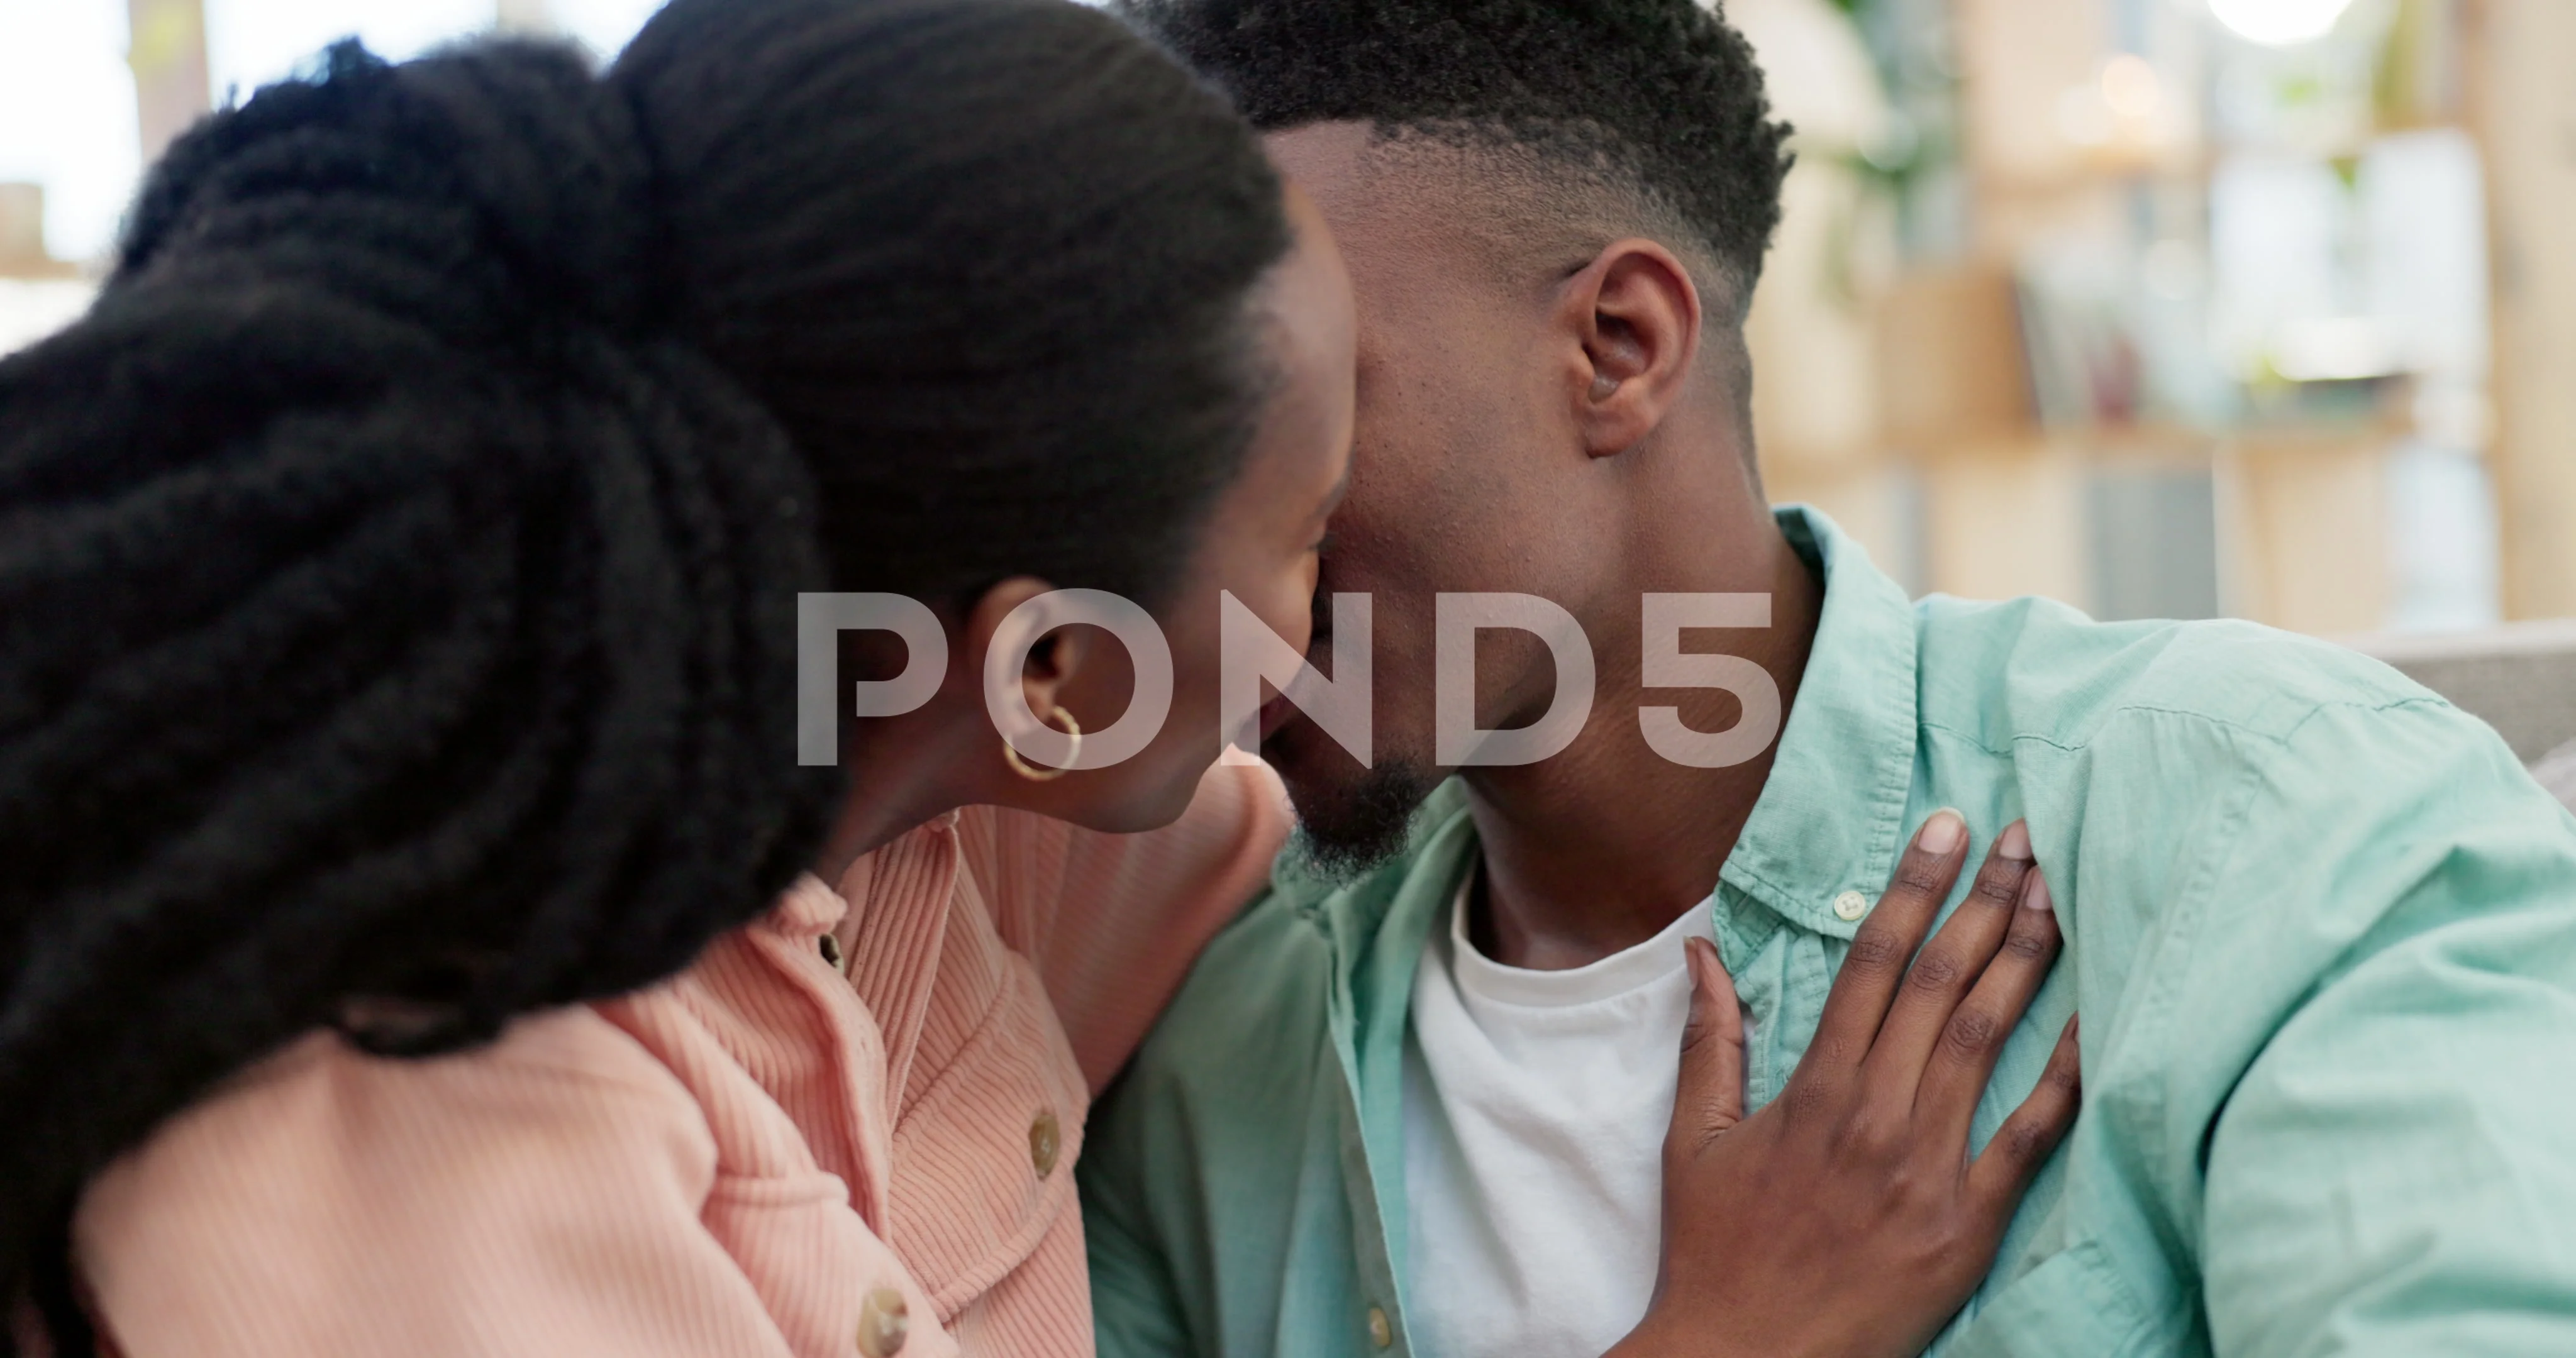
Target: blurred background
[
  {"x": 2195, "y": 308},
  {"x": 2166, "y": 308},
  {"x": 2184, "y": 308},
  {"x": 91, "y": 90}
]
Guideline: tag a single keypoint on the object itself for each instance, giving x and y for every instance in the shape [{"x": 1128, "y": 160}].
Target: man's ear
[
  {"x": 1053, "y": 661},
  {"x": 1636, "y": 315}
]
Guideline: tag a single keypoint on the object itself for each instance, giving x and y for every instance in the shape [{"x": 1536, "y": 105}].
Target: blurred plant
[{"x": 1919, "y": 155}]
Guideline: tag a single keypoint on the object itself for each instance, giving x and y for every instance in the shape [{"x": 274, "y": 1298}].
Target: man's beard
[{"x": 1353, "y": 827}]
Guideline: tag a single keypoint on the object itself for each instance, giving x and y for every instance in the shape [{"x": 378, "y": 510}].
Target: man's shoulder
[
  {"x": 1276, "y": 945},
  {"x": 1260, "y": 994},
  {"x": 2036, "y": 670},
  {"x": 2164, "y": 761},
  {"x": 1231, "y": 1071}
]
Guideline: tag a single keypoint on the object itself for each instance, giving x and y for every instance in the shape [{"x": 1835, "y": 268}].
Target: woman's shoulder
[
  {"x": 321, "y": 1116},
  {"x": 573, "y": 1054},
  {"x": 272, "y": 1214}
]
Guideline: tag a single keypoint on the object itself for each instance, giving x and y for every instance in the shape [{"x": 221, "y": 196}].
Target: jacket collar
[{"x": 1831, "y": 816}]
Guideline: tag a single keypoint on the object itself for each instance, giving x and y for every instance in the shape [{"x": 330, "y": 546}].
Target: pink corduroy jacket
[{"x": 752, "y": 1160}]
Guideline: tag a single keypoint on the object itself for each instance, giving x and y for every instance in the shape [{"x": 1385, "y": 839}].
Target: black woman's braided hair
[{"x": 397, "y": 565}]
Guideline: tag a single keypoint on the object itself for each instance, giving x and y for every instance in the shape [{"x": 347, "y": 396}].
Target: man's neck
[{"x": 1603, "y": 846}]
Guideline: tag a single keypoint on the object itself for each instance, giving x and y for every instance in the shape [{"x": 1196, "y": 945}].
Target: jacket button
[
  {"x": 1045, "y": 1140},
  {"x": 1381, "y": 1333},
  {"x": 832, "y": 951},
  {"x": 1850, "y": 905},
  {"x": 884, "y": 1322}
]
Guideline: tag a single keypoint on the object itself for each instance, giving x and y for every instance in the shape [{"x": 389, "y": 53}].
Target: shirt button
[
  {"x": 1850, "y": 905},
  {"x": 884, "y": 1323},
  {"x": 1045, "y": 1140},
  {"x": 1380, "y": 1333},
  {"x": 832, "y": 951}
]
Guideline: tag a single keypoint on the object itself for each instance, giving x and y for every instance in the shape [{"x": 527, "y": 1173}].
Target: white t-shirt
[{"x": 1535, "y": 1104}]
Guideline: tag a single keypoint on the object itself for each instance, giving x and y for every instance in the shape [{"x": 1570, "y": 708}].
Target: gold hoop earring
[{"x": 1038, "y": 775}]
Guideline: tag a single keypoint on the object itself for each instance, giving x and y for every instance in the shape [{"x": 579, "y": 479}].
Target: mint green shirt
[{"x": 2320, "y": 925}]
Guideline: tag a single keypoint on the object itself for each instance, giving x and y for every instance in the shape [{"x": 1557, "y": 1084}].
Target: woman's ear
[
  {"x": 1054, "y": 658},
  {"x": 1636, "y": 317}
]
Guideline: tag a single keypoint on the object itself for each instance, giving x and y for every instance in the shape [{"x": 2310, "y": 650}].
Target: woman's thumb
[{"x": 1710, "y": 1098}]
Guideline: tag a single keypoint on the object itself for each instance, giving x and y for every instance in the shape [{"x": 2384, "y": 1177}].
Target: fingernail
[
  {"x": 2034, "y": 894},
  {"x": 2016, "y": 841},
  {"x": 1708, "y": 970},
  {"x": 1942, "y": 834}
]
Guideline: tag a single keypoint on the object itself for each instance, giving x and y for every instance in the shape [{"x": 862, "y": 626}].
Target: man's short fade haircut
[{"x": 1660, "y": 97}]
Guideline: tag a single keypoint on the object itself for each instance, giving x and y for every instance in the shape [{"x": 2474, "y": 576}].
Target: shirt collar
[
  {"x": 809, "y": 908},
  {"x": 812, "y": 906},
  {"x": 1832, "y": 813}
]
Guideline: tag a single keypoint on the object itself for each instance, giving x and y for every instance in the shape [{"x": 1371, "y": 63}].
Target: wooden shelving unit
[{"x": 2282, "y": 518}]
